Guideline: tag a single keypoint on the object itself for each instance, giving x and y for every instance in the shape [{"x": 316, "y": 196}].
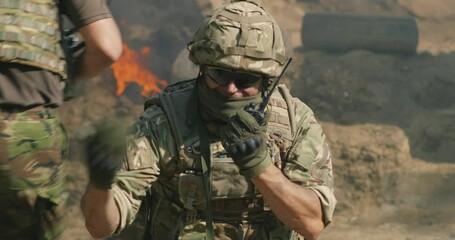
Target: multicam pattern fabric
[
  {"x": 29, "y": 33},
  {"x": 240, "y": 36},
  {"x": 153, "y": 160},
  {"x": 32, "y": 180}
]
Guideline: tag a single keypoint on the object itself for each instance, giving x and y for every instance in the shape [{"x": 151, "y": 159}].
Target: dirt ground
[{"x": 390, "y": 118}]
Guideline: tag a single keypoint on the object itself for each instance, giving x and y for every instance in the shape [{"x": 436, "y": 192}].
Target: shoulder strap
[
  {"x": 282, "y": 120},
  {"x": 284, "y": 91},
  {"x": 206, "y": 170},
  {"x": 177, "y": 102}
]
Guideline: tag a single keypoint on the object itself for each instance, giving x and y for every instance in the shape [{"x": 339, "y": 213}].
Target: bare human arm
[
  {"x": 103, "y": 46},
  {"x": 101, "y": 213},
  {"x": 297, "y": 207}
]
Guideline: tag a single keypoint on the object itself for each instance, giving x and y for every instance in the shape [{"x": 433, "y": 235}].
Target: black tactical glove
[
  {"x": 105, "y": 150},
  {"x": 245, "y": 140}
]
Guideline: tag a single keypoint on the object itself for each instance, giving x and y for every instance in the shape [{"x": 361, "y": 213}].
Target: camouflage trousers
[{"x": 33, "y": 189}]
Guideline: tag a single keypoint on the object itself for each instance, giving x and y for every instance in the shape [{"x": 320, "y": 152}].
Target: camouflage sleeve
[
  {"x": 151, "y": 142},
  {"x": 309, "y": 162}
]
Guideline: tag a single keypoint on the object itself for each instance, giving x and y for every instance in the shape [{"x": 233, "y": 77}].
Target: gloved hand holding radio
[
  {"x": 245, "y": 140},
  {"x": 104, "y": 151}
]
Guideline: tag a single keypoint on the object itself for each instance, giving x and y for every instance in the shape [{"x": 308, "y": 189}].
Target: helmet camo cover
[{"x": 240, "y": 36}]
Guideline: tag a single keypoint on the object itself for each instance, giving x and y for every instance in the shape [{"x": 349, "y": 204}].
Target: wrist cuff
[{"x": 258, "y": 169}]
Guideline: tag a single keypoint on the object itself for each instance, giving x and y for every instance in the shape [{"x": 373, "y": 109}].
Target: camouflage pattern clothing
[
  {"x": 164, "y": 176},
  {"x": 32, "y": 175}
]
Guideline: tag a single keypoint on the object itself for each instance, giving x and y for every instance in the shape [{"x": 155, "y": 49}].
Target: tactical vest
[
  {"x": 30, "y": 34},
  {"x": 238, "y": 209}
]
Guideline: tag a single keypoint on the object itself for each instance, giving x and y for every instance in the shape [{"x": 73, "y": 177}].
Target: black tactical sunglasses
[{"x": 241, "y": 79}]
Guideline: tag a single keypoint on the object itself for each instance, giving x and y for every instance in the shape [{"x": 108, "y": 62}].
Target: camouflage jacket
[{"x": 158, "y": 160}]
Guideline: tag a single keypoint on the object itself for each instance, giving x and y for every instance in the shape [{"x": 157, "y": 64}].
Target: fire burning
[{"x": 128, "y": 69}]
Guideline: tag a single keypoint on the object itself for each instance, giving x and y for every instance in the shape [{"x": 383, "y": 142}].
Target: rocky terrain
[{"x": 390, "y": 118}]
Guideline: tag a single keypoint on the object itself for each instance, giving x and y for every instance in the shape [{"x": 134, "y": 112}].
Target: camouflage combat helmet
[{"x": 240, "y": 36}]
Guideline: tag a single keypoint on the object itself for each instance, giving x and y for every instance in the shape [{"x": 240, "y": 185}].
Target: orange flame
[{"x": 128, "y": 69}]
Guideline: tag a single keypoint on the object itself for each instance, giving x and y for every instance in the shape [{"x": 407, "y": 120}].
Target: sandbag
[{"x": 347, "y": 31}]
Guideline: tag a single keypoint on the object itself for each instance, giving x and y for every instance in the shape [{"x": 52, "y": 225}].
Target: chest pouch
[
  {"x": 192, "y": 189},
  {"x": 225, "y": 180},
  {"x": 227, "y": 183}
]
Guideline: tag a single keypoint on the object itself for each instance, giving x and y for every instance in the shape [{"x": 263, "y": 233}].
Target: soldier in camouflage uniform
[
  {"x": 33, "y": 188},
  {"x": 205, "y": 168}
]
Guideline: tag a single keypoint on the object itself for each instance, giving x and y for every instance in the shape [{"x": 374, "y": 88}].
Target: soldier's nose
[{"x": 231, "y": 87}]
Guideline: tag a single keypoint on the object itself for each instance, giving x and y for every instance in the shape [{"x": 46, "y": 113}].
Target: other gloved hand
[
  {"x": 246, "y": 142},
  {"x": 105, "y": 150}
]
